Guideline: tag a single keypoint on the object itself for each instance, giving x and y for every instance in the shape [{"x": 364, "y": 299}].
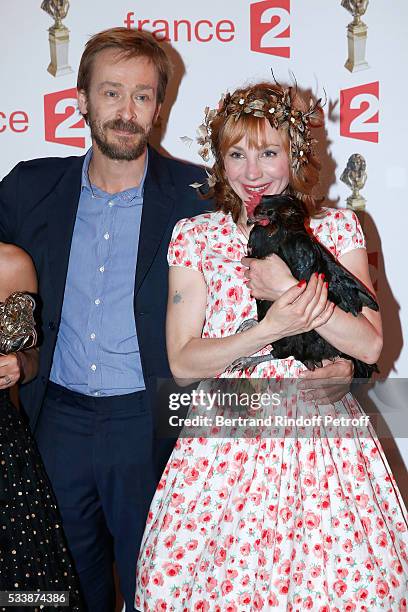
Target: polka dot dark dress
[{"x": 33, "y": 550}]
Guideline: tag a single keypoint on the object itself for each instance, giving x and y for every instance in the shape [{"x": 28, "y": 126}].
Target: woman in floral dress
[{"x": 260, "y": 523}]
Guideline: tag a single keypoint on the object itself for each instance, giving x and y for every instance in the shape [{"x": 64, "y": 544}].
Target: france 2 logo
[
  {"x": 61, "y": 121},
  {"x": 359, "y": 112},
  {"x": 270, "y": 27}
]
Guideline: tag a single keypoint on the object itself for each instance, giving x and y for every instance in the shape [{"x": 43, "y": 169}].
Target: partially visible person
[
  {"x": 291, "y": 519},
  {"x": 34, "y": 553}
]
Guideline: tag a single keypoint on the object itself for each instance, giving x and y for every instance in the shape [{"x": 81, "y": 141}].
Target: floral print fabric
[{"x": 278, "y": 523}]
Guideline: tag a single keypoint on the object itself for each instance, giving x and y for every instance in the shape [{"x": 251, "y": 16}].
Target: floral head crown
[{"x": 277, "y": 106}]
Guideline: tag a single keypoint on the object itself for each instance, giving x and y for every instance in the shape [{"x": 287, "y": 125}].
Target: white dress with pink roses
[{"x": 275, "y": 523}]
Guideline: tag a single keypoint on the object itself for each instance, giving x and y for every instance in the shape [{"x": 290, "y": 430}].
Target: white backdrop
[{"x": 223, "y": 45}]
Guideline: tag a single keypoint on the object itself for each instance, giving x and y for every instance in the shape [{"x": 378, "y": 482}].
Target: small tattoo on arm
[{"x": 177, "y": 298}]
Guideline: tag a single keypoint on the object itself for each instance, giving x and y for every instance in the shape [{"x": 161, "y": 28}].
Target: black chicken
[{"x": 281, "y": 228}]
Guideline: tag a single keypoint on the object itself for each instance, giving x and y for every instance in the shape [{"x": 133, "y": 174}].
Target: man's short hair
[{"x": 128, "y": 43}]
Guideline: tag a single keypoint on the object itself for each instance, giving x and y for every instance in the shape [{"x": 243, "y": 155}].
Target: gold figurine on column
[
  {"x": 356, "y": 35},
  {"x": 58, "y": 37},
  {"x": 354, "y": 176}
]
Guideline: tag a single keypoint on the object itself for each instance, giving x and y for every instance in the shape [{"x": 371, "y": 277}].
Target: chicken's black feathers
[{"x": 281, "y": 227}]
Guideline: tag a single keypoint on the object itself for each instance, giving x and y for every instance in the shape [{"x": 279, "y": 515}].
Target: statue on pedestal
[
  {"x": 354, "y": 175},
  {"x": 58, "y": 36},
  {"x": 356, "y": 35}
]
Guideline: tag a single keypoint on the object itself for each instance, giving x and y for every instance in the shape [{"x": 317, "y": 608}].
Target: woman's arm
[
  {"x": 361, "y": 336},
  {"x": 301, "y": 308},
  {"x": 17, "y": 273}
]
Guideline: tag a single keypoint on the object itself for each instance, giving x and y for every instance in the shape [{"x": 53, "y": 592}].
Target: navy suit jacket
[{"x": 38, "y": 204}]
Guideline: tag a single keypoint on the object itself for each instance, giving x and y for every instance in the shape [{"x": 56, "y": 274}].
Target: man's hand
[
  {"x": 10, "y": 370},
  {"x": 268, "y": 278},
  {"x": 328, "y": 384}
]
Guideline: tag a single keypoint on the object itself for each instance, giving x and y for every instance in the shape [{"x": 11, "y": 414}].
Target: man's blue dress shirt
[{"x": 97, "y": 351}]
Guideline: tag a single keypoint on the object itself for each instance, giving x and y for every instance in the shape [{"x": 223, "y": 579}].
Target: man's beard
[{"x": 119, "y": 150}]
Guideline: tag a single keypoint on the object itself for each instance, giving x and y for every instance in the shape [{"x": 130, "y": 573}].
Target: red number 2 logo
[
  {"x": 359, "y": 112},
  {"x": 270, "y": 27},
  {"x": 61, "y": 122}
]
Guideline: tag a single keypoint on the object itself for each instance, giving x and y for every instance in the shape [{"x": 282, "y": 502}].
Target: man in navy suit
[{"x": 98, "y": 229}]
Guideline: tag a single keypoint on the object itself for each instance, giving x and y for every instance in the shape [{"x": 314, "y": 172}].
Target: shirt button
[
  {"x": 92, "y": 336},
  {"x": 93, "y": 367},
  {"x": 111, "y": 203},
  {"x": 106, "y": 236},
  {"x": 97, "y": 301},
  {"x": 102, "y": 269}
]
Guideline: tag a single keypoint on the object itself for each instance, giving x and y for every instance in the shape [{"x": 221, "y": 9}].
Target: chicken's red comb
[{"x": 252, "y": 203}]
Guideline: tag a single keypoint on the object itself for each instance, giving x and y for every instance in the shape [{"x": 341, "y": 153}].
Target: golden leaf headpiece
[{"x": 278, "y": 107}]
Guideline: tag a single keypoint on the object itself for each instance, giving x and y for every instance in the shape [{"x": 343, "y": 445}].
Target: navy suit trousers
[{"x": 98, "y": 452}]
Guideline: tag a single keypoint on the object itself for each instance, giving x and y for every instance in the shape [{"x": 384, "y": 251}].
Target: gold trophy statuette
[
  {"x": 17, "y": 325},
  {"x": 58, "y": 37},
  {"x": 354, "y": 176},
  {"x": 356, "y": 35}
]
